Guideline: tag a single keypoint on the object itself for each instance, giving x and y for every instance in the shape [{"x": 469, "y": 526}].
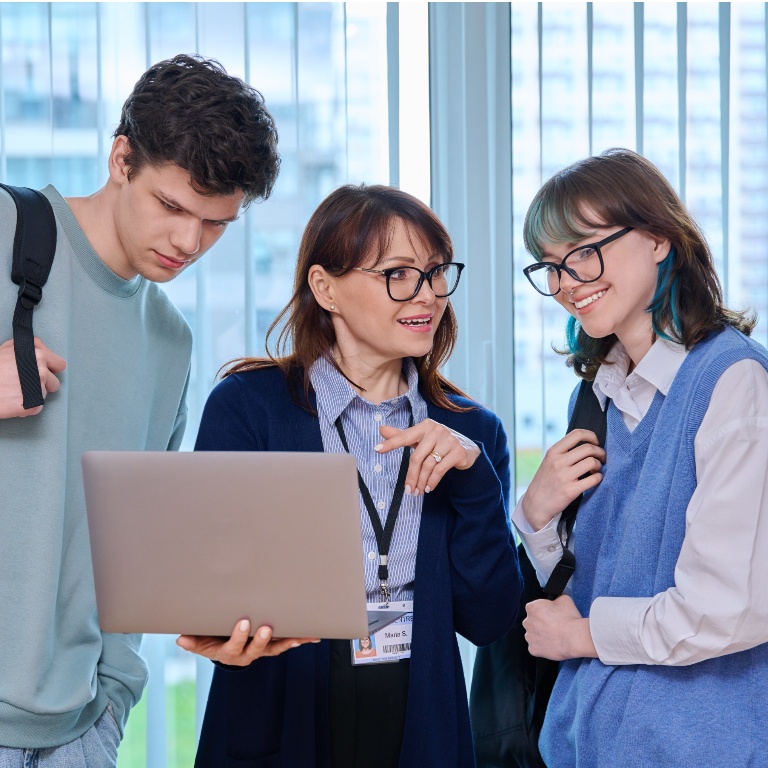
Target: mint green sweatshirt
[{"x": 128, "y": 354}]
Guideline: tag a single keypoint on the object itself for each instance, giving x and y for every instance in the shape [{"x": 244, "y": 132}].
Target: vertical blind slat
[
  {"x": 724, "y": 20},
  {"x": 639, "y": 33},
  {"x": 682, "y": 94},
  {"x": 590, "y": 69}
]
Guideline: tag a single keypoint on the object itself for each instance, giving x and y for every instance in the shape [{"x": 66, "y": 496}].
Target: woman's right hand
[
  {"x": 556, "y": 482},
  {"x": 240, "y": 650}
]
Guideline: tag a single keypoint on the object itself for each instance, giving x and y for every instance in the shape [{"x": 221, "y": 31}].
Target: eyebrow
[
  {"x": 399, "y": 258},
  {"x": 176, "y": 204},
  {"x": 433, "y": 257}
]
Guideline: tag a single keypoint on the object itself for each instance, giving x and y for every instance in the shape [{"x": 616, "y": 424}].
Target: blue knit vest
[{"x": 627, "y": 541}]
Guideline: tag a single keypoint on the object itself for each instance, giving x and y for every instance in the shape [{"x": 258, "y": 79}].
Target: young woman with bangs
[
  {"x": 663, "y": 635},
  {"x": 357, "y": 368}
]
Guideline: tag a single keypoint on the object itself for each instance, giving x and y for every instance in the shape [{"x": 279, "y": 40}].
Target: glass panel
[
  {"x": 526, "y": 179},
  {"x": 67, "y": 67},
  {"x": 613, "y": 77}
]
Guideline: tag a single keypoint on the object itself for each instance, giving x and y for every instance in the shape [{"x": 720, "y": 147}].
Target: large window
[
  {"x": 684, "y": 84},
  {"x": 473, "y": 110},
  {"x": 322, "y": 67}
]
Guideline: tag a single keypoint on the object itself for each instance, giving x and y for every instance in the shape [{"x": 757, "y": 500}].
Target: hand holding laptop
[{"x": 240, "y": 650}]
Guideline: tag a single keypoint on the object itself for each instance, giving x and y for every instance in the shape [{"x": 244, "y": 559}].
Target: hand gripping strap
[
  {"x": 34, "y": 246},
  {"x": 587, "y": 414}
]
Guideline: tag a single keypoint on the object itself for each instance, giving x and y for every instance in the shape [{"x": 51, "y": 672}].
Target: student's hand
[
  {"x": 555, "y": 630},
  {"x": 11, "y": 399},
  {"x": 556, "y": 482},
  {"x": 240, "y": 650},
  {"x": 429, "y": 441}
]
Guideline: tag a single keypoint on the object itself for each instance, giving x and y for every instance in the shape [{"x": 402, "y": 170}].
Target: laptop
[{"x": 190, "y": 543}]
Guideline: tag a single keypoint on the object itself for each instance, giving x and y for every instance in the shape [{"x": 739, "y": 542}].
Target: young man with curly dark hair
[{"x": 193, "y": 147}]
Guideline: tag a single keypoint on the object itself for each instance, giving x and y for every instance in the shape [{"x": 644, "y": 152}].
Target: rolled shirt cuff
[{"x": 615, "y": 624}]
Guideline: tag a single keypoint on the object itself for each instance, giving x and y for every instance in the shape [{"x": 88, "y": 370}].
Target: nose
[
  {"x": 567, "y": 283},
  {"x": 187, "y": 235},
  {"x": 425, "y": 294}
]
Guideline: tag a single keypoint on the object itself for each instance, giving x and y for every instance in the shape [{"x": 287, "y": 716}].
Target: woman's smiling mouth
[{"x": 589, "y": 300}]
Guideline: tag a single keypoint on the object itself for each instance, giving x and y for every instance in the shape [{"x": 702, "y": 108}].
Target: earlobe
[
  {"x": 320, "y": 284},
  {"x": 118, "y": 168}
]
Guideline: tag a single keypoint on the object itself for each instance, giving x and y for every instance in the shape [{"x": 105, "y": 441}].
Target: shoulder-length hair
[
  {"x": 621, "y": 188},
  {"x": 352, "y": 225}
]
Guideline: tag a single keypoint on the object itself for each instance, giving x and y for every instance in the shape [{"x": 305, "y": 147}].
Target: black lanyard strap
[{"x": 383, "y": 533}]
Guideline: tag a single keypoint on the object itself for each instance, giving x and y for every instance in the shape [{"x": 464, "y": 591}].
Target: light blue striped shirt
[{"x": 361, "y": 420}]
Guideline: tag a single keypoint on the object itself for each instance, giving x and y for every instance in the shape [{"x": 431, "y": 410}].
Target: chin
[{"x": 158, "y": 274}]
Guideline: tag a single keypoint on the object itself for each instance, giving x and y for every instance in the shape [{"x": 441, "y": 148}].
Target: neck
[
  {"x": 95, "y": 215},
  {"x": 376, "y": 381},
  {"x": 637, "y": 342}
]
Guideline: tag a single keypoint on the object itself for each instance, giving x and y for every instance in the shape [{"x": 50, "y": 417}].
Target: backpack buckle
[{"x": 29, "y": 294}]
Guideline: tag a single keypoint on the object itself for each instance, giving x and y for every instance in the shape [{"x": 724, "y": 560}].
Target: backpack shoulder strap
[
  {"x": 34, "y": 246},
  {"x": 587, "y": 414}
]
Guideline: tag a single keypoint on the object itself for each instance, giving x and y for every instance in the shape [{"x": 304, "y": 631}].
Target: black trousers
[{"x": 366, "y": 710}]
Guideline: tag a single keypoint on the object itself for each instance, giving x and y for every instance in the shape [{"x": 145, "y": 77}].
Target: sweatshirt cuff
[{"x": 615, "y": 624}]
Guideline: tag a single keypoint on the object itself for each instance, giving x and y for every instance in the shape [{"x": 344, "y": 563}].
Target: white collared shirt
[{"x": 719, "y": 603}]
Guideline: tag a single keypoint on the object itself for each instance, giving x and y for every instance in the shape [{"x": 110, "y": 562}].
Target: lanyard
[{"x": 383, "y": 534}]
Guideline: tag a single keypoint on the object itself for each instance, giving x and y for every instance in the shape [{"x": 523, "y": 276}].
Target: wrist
[
  {"x": 580, "y": 641},
  {"x": 537, "y": 522}
]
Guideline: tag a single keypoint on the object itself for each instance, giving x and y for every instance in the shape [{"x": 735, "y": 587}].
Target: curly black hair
[{"x": 188, "y": 111}]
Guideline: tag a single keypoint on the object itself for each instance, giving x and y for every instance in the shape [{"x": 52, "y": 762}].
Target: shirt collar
[
  {"x": 335, "y": 393},
  {"x": 659, "y": 368}
]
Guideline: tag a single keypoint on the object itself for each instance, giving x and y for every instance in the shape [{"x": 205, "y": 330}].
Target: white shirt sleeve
[
  {"x": 543, "y": 547},
  {"x": 719, "y": 603}
]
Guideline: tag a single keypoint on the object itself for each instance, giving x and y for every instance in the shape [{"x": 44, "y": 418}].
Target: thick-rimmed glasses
[
  {"x": 403, "y": 283},
  {"x": 584, "y": 264}
]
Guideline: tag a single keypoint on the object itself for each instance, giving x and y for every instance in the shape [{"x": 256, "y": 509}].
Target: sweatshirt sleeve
[{"x": 122, "y": 673}]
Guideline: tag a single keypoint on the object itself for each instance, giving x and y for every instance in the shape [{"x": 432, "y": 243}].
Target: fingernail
[
  {"x": 408, "y": 489},
  {"x": 316, "y": 641},
  {"x": 427, "y": 489},
  {"x": 415, "y": 491},
  {"x": 263, "y": 633},
  {"x": 378, "y": 447},
  {"x": 294, "y": 645},
  {"x": 244, "y": 625}
]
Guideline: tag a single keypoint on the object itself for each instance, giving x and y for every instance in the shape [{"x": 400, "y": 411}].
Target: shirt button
[
  {"x": 377, "y": 417},
  {"x": 381, "y": 505},
  {"x": 552, "y": 548},
  {"x": 377, "y": 468},
  {"x": 371, "y": 555}
]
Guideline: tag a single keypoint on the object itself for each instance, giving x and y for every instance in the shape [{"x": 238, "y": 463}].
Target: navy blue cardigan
[{"x": 275, "y": 712}]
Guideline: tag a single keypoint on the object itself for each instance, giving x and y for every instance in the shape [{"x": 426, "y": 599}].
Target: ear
[
  {"x": 661, "y": 247},
  {"x": 321, "y": 285},
  {"x": 118, "y": 168}
]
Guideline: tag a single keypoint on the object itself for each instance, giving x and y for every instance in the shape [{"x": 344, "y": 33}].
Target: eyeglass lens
[
  {"x": 403, "y": 282},
  {"x": 582, "y": 264}
]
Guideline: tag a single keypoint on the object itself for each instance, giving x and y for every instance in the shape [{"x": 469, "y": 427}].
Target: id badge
[{"x": 390, "y": 638}]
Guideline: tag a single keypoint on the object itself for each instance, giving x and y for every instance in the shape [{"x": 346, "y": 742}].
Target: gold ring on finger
[{"x": 436, "y": 456}]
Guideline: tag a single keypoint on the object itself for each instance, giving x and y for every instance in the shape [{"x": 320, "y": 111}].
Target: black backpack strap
[
  {"x": 587, "y": 414},
  {"x": 34, "y": 246}
]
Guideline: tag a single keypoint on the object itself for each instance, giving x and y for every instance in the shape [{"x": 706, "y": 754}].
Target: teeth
[
  {"x": 589, "y": 299},
  {"x": 425, "y": 321}
]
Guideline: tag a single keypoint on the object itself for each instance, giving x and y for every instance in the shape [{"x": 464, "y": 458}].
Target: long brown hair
[
  {"x": 352, "y": 224},
  {"x": 625, "y": 189}
]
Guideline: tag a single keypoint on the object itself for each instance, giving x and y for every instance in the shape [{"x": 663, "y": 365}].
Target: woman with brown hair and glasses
[
  {"x": 664, "y": 637},
  {"x": 357, "y": 369}
]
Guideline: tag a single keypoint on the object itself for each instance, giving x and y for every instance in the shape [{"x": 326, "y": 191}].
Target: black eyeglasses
[
  {"x": 584, "y": 264},
  {"x": 403, "y": 283}
]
